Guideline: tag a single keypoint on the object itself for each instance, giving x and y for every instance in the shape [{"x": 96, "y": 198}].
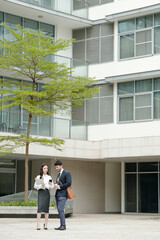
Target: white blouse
[{"x": 46, "y": 179}]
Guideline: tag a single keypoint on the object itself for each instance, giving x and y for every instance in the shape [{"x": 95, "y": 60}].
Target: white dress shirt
[
  {"x": 46, "y": 179},
  {"x": 61, "y": 172},
  {"x": 59, "y": 177}
]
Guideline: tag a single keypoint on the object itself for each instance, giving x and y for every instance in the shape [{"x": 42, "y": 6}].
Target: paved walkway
[{"x": 100, "y": 226}]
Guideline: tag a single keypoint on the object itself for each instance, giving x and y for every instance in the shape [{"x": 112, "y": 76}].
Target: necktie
[{"x": 58, "y": 177}]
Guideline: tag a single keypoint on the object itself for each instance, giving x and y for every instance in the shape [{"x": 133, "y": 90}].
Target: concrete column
[
  {"x": 122, "y": 187},
  {"x": 112, "y": 187},
  {"x": 115, "y": 107},
  {"x": 116, "y": 42}
]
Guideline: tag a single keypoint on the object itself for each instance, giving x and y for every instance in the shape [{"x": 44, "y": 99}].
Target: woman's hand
[{"x": 43, "y": 184}]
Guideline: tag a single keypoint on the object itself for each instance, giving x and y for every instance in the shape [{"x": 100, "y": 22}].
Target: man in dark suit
[{"x": 62, "y": 182}]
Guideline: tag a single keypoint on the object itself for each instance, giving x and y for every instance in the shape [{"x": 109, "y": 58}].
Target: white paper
[{"x": 39, "y": 181}]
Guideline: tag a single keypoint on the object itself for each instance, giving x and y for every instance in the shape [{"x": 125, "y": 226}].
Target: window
[
  {"x": 97, "y": 110},
  {"x": 47, "y": 29},
  {"x": 139, "y": 100},
  {"x": 94, "y": 44},
  {"x": 139, "y": 36},
  {"x": 98, "y": 2},
  {"x": 126, "y": 109},
  {"x": 13, "y": 20}
]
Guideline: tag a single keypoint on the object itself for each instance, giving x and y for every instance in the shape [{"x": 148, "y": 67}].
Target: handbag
[{"x": 70, "y": 193}]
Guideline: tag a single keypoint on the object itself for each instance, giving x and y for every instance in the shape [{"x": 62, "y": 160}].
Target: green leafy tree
[{"x": 26, "y": 57}]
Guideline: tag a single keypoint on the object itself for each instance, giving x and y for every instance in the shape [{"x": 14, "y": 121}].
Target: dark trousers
[{"x": 60, "y": 202}]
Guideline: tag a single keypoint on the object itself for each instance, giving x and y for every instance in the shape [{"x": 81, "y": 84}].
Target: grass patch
[{"x": 23, "y": 203}]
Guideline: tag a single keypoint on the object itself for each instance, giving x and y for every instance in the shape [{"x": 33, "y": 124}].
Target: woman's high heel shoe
[{"x": 45, "y": 227}]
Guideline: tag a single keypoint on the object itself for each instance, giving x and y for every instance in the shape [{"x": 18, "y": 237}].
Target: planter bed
[{"x": 31, "y": 212}]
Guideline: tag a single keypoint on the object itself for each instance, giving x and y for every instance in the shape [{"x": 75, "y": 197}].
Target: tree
[{"x": 26, "y": 57}]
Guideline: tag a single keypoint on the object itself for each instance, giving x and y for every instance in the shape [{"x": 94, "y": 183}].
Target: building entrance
[{"x": 142, "y": 187}]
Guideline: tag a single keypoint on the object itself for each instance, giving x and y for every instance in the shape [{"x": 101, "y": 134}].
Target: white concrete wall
[
  {"x": 125, "y": 130},
  {"x": 88, "y": 182},
  {"x": 64, "y": 33},
  {"x": 112, "y": 187},
  {"x": 122, "y": 67},
  {"x": 99, "y": 12}
]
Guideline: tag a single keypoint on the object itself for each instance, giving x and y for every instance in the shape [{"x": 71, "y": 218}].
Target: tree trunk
[{"x": 26, "y": 157}]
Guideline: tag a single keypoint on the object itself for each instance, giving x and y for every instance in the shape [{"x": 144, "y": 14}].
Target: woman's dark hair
[
  {"x": 41, "y": 170},
  {"x": 58, "y": 163}
]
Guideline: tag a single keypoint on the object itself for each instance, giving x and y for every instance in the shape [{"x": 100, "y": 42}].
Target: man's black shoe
[
  {"x": 57, "y": 228},
  {"x": 61, "y": 228}
]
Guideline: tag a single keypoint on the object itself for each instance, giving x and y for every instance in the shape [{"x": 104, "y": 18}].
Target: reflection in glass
[
  {"x": 148, "y": 167},
  {"x": 126, "y": 109},
  {"x": 126, "y": 26},
  {"x": 157, "y": 40},
  {"x": 143, "y": 49},
  {"x": 143, "y": 36},
  {"x": 130, "y": 193},
  {"x": 143, "y": 113},
  {"x": 7, "y": 184},
  {"x": 45, "y": 126},
  {"x": 156, "y": 105},
  {"x": 148, "y": 193},
  {"x": 130, "y": 167},
  {"x": 92, "y": 110},
  {"x": 125, "y": 88},
  {"x": 144, "y": 22},
  {"x": 157, "y": 84},
  {"x": 143, "y": 85},
  {"x": 156, "y": 19},
  {"x": 31, "y": 24},
  {"x": 143, "y": 100},
  {"x": 61, "y": 128},
  {"x": 127, "y": 46},
  {"x": 7, "y": 163}
]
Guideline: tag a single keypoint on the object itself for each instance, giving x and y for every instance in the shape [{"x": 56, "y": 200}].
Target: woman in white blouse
[{"x": 43, "y": 183}]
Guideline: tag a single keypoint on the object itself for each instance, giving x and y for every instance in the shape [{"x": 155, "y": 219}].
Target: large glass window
[
  {"x": 7, "y": 177},
  {"x": 148, "y": 193},
  {"x": 13, "y": 20},
  {"x": 31, "y": 24},
  {"x": 96, "y": 110},
  {"x": 141, "y": 187},
  {"x": 94, "y": 44},
  {"x": 130, "y": 193},
  {"x": 139, "y": 100},
  {"x": 47, "y": 29},
  {"x": 127, "y": 46},
  {"x": 98, "y": 2},
  {"x": 136, "y": 36},
  {"x": 126, "y": 109},
  {"x": 1, "y": 27}
]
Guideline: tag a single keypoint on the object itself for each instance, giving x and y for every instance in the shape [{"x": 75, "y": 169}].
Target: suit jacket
[{"x": 66, "y": 181}]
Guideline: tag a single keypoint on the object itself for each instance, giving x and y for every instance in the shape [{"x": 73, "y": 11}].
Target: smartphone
[{"x": 50, "y": 180}]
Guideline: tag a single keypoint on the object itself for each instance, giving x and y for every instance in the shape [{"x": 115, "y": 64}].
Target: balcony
[
  {"x": 80, "y": 68},
  {"x": 77, "y": 8},
  {"x": 14, "y": 122}
]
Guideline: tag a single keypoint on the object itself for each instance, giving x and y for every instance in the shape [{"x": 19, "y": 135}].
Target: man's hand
[{"x": 56, "y": 186}]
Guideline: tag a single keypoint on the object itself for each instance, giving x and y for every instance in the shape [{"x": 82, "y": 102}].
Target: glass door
[{"x": 7, "y": 177}]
